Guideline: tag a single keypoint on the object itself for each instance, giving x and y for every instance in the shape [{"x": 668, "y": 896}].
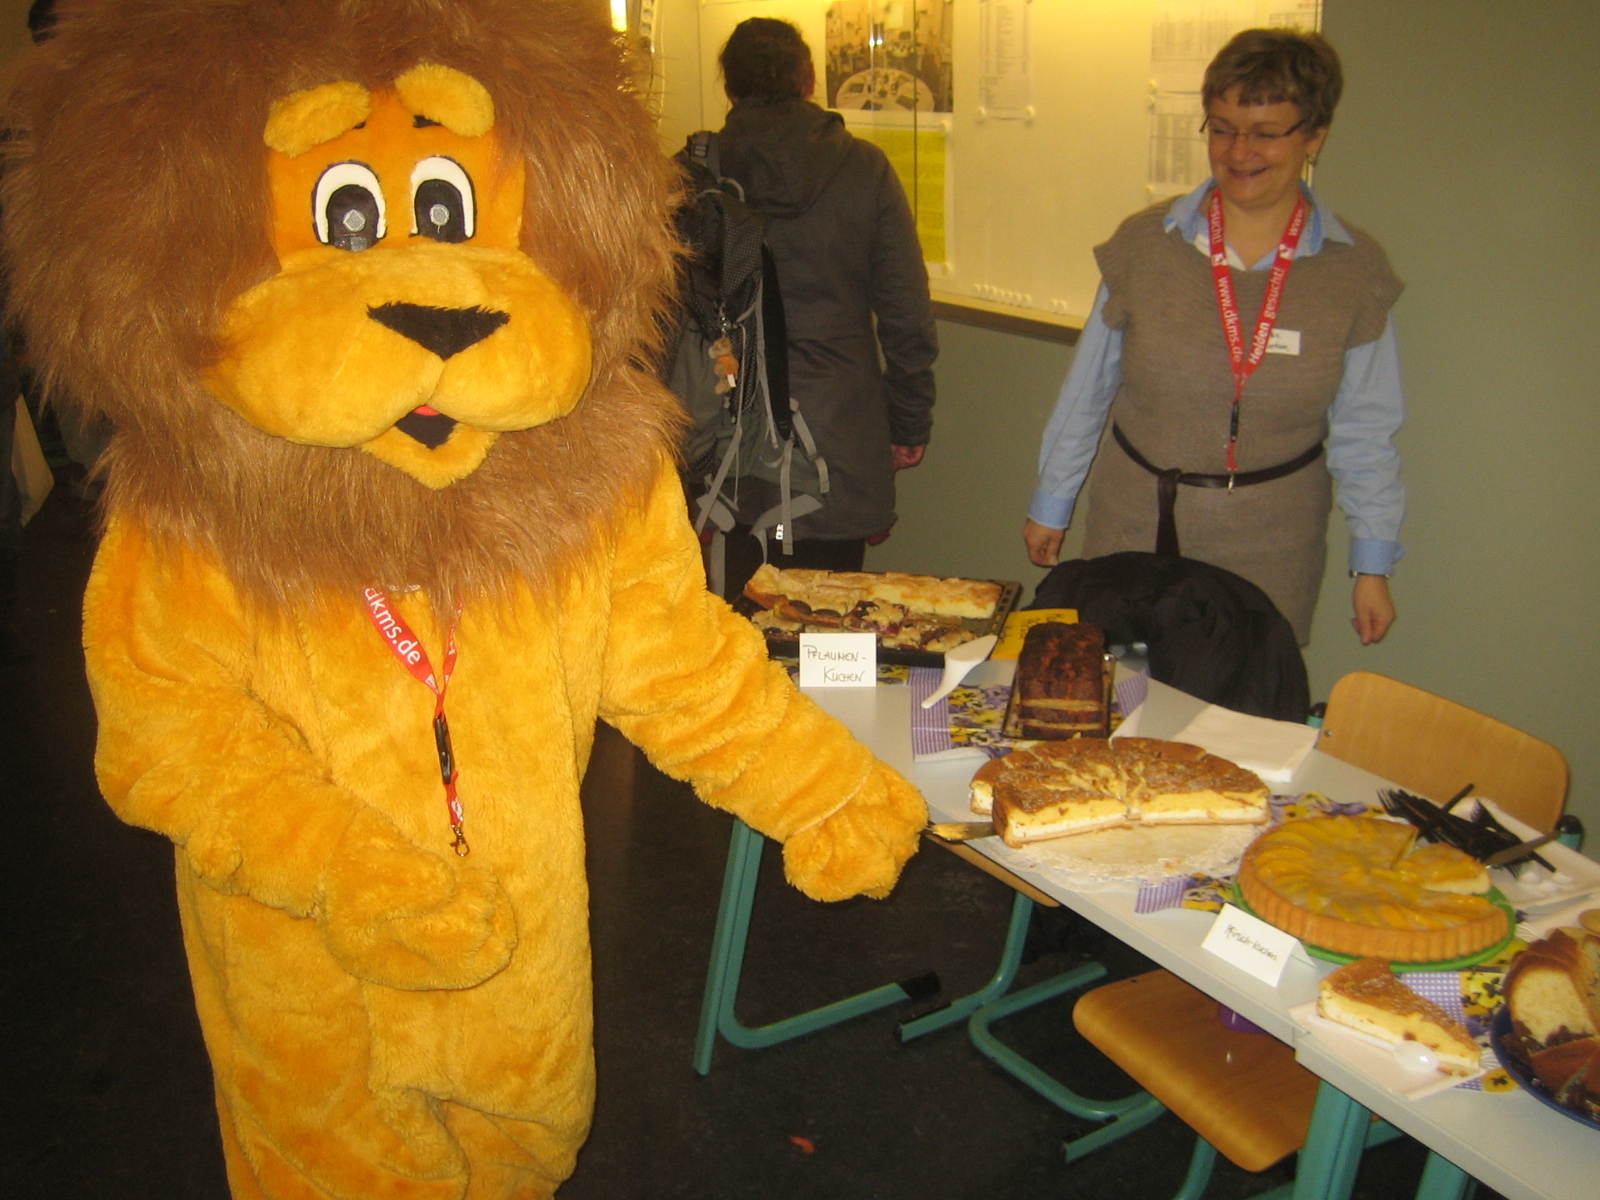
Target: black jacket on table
[
  {"x": 1211, "y": 633},
  {"x": 846, "y": 249}
]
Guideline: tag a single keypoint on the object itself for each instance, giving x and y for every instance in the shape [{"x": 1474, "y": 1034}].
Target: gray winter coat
[{"x": 847, "y": 252}]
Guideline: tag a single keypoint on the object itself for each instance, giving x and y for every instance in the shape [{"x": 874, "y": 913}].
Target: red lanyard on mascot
[
  {"x": 1244, "y": 367},
  {"x": 407, "y": 647}
]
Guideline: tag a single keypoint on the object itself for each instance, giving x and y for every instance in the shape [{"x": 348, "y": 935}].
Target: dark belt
[{"x": 1167, "y": 484}]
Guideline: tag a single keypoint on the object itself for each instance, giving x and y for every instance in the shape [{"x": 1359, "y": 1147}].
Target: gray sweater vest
[{"x": 1177, "y": 390}]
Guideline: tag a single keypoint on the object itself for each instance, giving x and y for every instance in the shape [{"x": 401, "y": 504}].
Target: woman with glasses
[{"x": 1241, "y": 352}]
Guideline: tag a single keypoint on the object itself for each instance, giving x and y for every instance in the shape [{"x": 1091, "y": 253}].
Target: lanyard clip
[
  {"x": 441, "y": 739},
  {"x": 460, "y": 844},
  {"x": 1231, "y": 473}
]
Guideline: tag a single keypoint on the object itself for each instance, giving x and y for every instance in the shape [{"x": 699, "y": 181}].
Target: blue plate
[{"x": 1499, "y": 1030}]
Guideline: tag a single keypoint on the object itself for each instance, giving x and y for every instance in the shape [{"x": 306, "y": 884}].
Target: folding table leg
[
  {"x": 1201, "y": 1164},
  {"x": 1443, "y": 1180},
  {"x": 1004, "y": 975},
  {"x": 727, "y": 962},
  {"x": 990, "y": 1003},
  {"x": 1332, "y": 1153}
]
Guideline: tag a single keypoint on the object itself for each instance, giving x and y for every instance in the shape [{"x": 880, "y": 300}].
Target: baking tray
[{"x": 787, "y": 645}]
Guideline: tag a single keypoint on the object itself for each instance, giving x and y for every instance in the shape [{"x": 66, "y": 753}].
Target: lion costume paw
[
  {"x": 397, "y": 915},
  {"x": 860, "y": 849}
]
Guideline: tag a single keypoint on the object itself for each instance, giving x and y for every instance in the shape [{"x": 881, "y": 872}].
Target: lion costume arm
[
  {"x": 187, "y": 750},
  {"x": 690, "y": 683}
]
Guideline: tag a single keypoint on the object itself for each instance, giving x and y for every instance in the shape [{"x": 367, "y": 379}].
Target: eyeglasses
[{"x": 1254, "y": 140}]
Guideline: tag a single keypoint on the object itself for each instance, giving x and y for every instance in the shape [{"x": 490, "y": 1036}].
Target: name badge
[
  {"x": 838, "y": 660},
  {"x": 1284, "y": 341},
  {"x": 1250, "y": 944}
]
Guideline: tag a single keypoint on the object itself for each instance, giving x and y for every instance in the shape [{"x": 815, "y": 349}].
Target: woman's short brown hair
[
  {"x": 766, "y": 60},
  {"x": 1275, "y": 66}
]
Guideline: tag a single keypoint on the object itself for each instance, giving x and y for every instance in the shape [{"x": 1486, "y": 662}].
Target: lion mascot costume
[{"x": 371, "y": 290}]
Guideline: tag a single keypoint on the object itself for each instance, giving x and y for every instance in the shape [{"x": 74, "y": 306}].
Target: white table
[{"x": 1510, "y": 1142}]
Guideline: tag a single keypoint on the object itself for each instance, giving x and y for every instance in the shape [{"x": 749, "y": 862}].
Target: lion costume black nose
[{"x": 445, "y": 331}]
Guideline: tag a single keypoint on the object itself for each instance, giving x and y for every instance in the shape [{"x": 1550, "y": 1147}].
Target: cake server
[
  {"x": 958, "y": 660},
  {"x": 961, "y": 831}
]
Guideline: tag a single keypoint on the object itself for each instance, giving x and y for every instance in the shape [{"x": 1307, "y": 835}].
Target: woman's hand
[
  {"x": 1374, "y": 608},
  {"x": 906, "y": 457},
  {"x": 1044, "y": 543}
]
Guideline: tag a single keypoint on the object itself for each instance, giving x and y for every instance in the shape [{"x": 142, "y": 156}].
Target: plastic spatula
[{"x": 958, "y": 660}]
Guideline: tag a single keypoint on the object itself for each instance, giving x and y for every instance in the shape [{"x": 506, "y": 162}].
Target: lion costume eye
[
  {"x": 442, "y": 205},
  {"x": 348, "y": 207}
]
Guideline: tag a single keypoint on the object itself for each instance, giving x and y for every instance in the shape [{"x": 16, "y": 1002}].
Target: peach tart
[{"x": 1356, "y": 885}]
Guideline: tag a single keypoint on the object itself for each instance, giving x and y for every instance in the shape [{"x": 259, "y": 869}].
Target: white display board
[{"x": 1049, "y": 122}]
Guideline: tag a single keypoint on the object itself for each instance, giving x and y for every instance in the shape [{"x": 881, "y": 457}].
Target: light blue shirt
[{"x": 1367, "y": 409}]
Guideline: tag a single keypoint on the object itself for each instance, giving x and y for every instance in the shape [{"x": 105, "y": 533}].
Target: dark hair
[
  {"x": 1275, "y": 66},
  {"x": 765, "y": 60},
  {"x": 41, "y": 19}
]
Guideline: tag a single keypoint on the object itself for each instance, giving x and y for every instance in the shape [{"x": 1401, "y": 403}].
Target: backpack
[{"x": 730, "y": 366}]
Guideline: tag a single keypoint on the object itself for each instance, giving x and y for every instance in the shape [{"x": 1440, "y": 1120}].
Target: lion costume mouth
[
  {"x": 418, "y": 349},
  {"x": 427, "y": 425},
  {"x": 446, "y": 332}
]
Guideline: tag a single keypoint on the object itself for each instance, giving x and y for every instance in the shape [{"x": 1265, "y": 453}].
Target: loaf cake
[
  {"x": 1366, "y": 996},
  {"x": 1060, "y": 788},
  {"x": 1061, "y": 688},
  {"x": 1353, "y": 886}
]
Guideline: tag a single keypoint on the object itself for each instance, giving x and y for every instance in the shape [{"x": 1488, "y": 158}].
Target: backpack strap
[
  {"x": 774, "y": 333},
  {"x": 702, "y": 148},
  {"x": 797, "y": 506}
]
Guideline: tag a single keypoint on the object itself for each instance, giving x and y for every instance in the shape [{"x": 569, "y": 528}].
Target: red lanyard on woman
[
  {"x": 407, "y": 647},
  {"x": 1244, "y": 366}
]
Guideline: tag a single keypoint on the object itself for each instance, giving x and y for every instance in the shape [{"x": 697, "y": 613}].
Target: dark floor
[{"x": 107, "y": 1089}]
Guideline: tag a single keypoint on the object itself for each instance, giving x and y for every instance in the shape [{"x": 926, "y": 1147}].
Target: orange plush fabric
[
  {"x": 384, "y": 1017},
  {"x": 344, "y": 961}
]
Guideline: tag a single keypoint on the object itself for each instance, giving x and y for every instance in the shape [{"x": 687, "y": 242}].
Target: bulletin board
[{"x": 1023, "y": 130}]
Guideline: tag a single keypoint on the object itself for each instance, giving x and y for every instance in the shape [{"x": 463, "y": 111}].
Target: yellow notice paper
[
  {"x": 917, "y": 156},
  {"x": 1018, "y": 624}
]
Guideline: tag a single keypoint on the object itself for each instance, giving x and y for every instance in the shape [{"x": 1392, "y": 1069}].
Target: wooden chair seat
[{"x": 1242, "y": 1092}]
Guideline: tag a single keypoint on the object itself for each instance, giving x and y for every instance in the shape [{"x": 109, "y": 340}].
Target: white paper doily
[{"x": 1109, "y": 858}]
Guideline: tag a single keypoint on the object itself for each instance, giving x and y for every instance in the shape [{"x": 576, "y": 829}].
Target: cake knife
[{"x": 1522, "y": 851}]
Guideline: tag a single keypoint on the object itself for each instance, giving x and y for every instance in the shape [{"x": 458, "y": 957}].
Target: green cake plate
[{"x": 1487, "y": 954}]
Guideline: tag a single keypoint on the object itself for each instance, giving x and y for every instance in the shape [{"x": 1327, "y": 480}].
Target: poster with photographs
[{"x": 890, "y": 56}]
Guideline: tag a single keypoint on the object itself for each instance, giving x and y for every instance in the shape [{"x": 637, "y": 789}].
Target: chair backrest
[{"x": 1435, "y": 747}]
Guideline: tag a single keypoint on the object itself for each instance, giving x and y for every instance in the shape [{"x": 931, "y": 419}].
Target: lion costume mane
[{"x": 370, "y": 290}]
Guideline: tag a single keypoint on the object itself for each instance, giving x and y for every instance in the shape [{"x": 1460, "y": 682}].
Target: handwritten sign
[
  {"x": 1018, "y": 624},
  {"x": 838, "y": 660},
  {"x": 1250, "y": 944}
]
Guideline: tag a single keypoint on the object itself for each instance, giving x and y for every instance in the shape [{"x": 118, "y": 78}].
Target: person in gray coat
[{"x": 850, "y": 269}]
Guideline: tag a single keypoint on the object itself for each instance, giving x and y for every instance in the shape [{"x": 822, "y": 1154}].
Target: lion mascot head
[{"x": 368, "y": 288}]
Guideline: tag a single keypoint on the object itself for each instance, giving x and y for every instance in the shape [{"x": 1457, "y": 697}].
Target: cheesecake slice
[{"x": 1366, "y": 996}]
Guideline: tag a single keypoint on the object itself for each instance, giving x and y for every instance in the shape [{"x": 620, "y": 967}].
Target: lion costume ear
[
  {"x": 306, "y": 119},
  {"x": 448, "y": 97}
]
